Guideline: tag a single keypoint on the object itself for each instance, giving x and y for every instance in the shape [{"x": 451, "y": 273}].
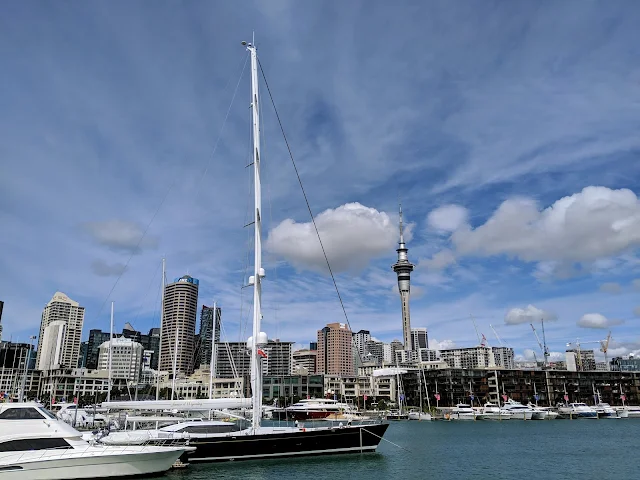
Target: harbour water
[{"x": 556, "y": 449}]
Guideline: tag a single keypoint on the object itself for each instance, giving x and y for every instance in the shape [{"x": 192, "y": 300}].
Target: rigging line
[
  {"x": 173, "y": 182},
  {"x": 304, "y": 193},
  {"x": 269, "y": 198},
  {"x": 144, "y": 297},
  {"x": 224, "y": 123}
]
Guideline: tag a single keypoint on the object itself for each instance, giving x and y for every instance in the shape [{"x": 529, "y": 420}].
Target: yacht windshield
[{"x": 48, "y": 413}]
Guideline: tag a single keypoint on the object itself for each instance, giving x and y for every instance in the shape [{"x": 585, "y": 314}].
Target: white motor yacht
[
  {"x": 518, "y": 410},
  {"x": 415, "y": 414},
  {"x": 35, "y": 445},
  {"x": 604, "y": 410},
  {"x": 463, "y": 411},
  {"x": 542, "y": 413},
  {"x": 577, "y": 410},
  {"x": 491, "y": 411},
  {"x": 628, "y": 411}
]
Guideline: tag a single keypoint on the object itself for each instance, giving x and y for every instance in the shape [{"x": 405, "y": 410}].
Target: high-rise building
[
  {"x": 179, "y": 325},
  {"x": 335, "y": 354},
  {"x": 360, "y": 340},
  {"x": 96, "y": 338},
  {"x": 13, "y": 355},
  {"x": 403, "y": 269},
  {"x": 394, "y": 346},
  {"x": 375, "y": 349},
  {"x": 126, "y": 358},
  {"x": 50, "y": 353},
  {"x": 207, "y": 327},
  {"x": 586, "y": 361},
  {"x": 62, "y": 309},
  {"x": 419, "y": 338}
]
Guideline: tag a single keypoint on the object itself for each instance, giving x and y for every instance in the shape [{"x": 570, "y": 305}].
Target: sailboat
[{"x": 213, "y": 440}]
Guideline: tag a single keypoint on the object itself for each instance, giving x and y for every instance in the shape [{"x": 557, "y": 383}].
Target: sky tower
[{"x": 403, "y": 269}]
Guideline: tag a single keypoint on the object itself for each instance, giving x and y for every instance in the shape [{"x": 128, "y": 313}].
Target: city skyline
[{"x": 507, "y": 147}]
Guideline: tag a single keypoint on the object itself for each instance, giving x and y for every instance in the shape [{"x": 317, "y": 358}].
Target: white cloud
[
  {"x": 596, "y": 320},
  {"x": 352, "y": 235},
  {"x": 440, "y": 260},
  {"x": 556, "y": 356},
  {"x": 611, "y": 287},
  {"x": 530, "y": 314},
  {"x": 636, "y": 311},
  {"x": 596, "y": 222},
  {"x": 447, "y": 218},
  {"x": 120, "y": 235},
  {"x": 441, "y": 345}
]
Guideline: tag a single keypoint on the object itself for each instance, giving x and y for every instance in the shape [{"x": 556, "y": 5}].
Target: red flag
[
  {"x": 365, "y": 398},
  {"x": 623, "y": 397},
  {"x": 437, "y": 395},
  {"x": 566, "y": 398},
  {"x": 261, "y": 353},
  {"x": 505, "y": 397},
  {"x": 53, "y": 400},
  {"x": 75, "y": 400},
  {"x": 308, "y": 397}
]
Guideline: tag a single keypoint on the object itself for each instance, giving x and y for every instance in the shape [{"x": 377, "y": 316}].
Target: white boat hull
[
  {"x": 494, "y": 416},
  {"x": 91, "y": 463},
  {"x": 522, "y": 415},
  {"x": 419, "y": 416}
]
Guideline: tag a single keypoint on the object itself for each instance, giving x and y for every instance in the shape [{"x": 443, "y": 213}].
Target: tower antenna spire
[{"x": 401, "y": 226}]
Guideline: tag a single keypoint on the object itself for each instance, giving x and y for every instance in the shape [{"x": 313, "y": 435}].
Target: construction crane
[
  {"x": 604, "y": 346},
  {"x": 482, "y": 341},
  {"x": 496, "y": 334},
  {"x": 542, "y": 349}
]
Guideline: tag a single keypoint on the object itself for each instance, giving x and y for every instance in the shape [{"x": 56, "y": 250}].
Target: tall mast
[
  {"x": 258, "y": 271},
  {"x": 161, "y": 322},
  {"x": 110, "y": 353},
  {"x": 212, "y": 362}
]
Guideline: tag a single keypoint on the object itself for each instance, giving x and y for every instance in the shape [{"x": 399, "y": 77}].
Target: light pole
[{"x": 26, "y": 366}]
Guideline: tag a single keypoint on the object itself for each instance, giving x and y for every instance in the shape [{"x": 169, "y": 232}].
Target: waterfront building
[
  {"x": 96, "y": 338},
  {"x": 11, "y": 383},
  {"x": 290, "y": 386},
  {"x": 232, "y": 359},
  {"x": 625, "y": 364},
  {"x": 61, "y": 309},
  {"x": 350, "y": 388},
  {"x": 126, "y": 358},
  {"x": 335, "y": 350},
  {"x": 387, "y": 355},
  {"x": 63, "y": 384},
  {"x": 478, "y": 357},
  {"x": 179, "y": 325}
]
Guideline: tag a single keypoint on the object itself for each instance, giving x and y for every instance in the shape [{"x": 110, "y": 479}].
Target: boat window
[
  {"x": 48, "y": 413},
  {"x": 21, "y": 414},
  {"x": 34, "y": 444},
  {"x": 210, "y": 428}
]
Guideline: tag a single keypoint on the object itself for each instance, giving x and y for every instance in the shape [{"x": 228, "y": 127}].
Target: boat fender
[{"x": 303, "y": 429}]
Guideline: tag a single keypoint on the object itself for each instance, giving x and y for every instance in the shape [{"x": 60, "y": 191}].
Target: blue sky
[{"x": 507, "y": 129}]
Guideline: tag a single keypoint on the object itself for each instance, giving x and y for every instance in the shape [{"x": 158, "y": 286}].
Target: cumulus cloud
[
  {"x": 103, "y": 269},
  {"x": 594, "y": 223},
  {"x": 530, "y": 314},
  {"x": 447, "y": 218},
  {"x": 636, "y": 311},
  {"x": 611, "y": 287},
  {"x": 120, "y": 235},
  {"x": 596, "y": 320},
  {"x": 440, "y": 260},
  {"x": 441, "y": 345},
  {"x": 352, "y": 235}
]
